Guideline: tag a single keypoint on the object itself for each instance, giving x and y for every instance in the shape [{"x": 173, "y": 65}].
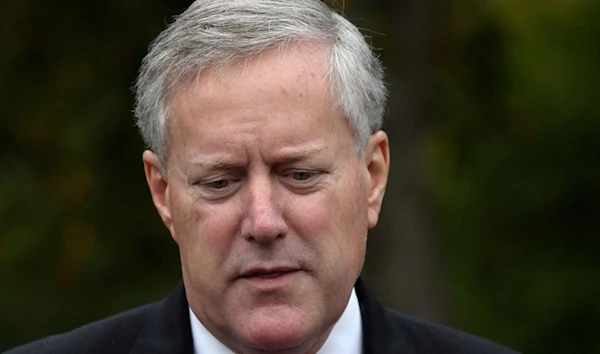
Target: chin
[{"x": 279, "y": 329}]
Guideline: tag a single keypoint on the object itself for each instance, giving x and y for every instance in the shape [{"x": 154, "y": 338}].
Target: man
[{"x": 267, "y": 164}]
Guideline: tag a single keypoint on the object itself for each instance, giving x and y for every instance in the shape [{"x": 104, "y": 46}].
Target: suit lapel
[
  {"x": 167, "y": 327},
  {"x": 380, "y": 335}
]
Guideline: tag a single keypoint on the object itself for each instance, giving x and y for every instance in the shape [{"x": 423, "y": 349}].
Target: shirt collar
[{"x": 345, "y": 337}]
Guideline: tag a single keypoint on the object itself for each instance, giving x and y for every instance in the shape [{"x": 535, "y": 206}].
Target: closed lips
[{"x": 265, "y": 273}]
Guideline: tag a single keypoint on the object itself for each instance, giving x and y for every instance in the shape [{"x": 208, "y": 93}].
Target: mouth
[
  {"x": 270, "y": 279},
  {"x": 268, "y": 273}
]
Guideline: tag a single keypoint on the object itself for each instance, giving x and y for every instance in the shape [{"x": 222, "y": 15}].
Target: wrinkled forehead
[
  {"x": 313, "y": 59},
  {"x": 278, "y": 100},
  {"x": 313, "y": 54}
]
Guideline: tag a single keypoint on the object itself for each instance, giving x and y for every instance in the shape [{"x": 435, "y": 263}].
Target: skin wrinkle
[{"x": 209, "y": 76}]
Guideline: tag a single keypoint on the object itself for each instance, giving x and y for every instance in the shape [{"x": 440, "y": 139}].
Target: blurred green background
[{"x": 490, "y": 223}]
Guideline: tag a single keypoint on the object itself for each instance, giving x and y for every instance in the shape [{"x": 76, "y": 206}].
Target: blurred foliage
[
  {"x": 79, "y": 234},
  {"x": 513, "y": 156}
]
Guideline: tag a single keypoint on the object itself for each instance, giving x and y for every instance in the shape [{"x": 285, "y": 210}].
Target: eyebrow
[
  {"x": 295, "y": 154},
  {"x": 286, "y": 155},
  {"x": 212, "y": 163}
]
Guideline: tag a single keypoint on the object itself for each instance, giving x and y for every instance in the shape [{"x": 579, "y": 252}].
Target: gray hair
[{"x": 215, "y": 33}]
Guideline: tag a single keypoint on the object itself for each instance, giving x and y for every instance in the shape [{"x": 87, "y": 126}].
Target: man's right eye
[{"x": 220, "y": 184}]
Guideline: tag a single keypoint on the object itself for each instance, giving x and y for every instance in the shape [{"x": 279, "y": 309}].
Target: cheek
[
  {"x": 204, "y": 233},
  {"x": 334, "y": 223}
]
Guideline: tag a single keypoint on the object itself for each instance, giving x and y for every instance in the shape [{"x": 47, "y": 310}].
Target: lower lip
[{"x": 271, "y": 281}]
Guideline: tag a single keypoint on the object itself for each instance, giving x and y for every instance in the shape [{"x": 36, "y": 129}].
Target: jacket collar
[
  {"x": 167, "y": 328},
  {"x": 380, "y": 332}
]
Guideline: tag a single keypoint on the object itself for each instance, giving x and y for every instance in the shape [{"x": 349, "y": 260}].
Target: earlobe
[
  {"x": 159, "y": 187},
  {"x": 378, "y": 164}
]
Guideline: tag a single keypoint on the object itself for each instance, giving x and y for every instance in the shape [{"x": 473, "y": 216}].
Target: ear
[
  {"x": 159, "y": 188},
  {"x": 377, "y": 159}
]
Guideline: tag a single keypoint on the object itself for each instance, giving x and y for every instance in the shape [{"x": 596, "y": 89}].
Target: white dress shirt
[{"x": 345, "y": 337}]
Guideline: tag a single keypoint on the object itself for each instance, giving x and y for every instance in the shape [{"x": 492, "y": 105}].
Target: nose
[{"x": 264, "y": 221}]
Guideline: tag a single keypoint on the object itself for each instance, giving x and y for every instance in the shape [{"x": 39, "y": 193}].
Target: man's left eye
[{"x": 301, "y": 175}]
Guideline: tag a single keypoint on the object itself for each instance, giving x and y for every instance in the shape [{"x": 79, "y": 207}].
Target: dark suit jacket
[{"x": 164, "y": 327}]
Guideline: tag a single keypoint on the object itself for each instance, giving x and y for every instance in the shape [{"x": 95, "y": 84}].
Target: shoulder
[
  {"x": 388, "y": 331},
  {"x": 427, "y": 337},
  {"x": 115, "y": 334}
]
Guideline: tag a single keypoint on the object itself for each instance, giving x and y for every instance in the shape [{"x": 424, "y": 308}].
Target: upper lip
[{"x": 266, "y": 270}]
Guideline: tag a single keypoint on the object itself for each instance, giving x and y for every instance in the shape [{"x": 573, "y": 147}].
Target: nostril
[{"x": 265, "y": 237}]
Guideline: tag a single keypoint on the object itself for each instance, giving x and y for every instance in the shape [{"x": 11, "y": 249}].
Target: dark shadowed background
[{"x": 491, "y": 222}]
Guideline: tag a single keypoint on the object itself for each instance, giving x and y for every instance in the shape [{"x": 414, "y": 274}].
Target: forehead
[
  {"x": 283, "y": 90},
  {"x": 286, "y": 67}
]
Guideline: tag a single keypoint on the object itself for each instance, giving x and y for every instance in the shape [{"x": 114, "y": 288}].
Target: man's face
[{"x": 268, "y": 200}]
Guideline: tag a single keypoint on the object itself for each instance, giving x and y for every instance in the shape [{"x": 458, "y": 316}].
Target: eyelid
[
  {"x": 210, "y": 184},
  {"x": 213, "y": 176},
  {"x": 208, "y": 181},
  {"x": 309, "y": 172},
  {"x": 213, "y": 194},
  {"x": 307, "y": 185}
]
